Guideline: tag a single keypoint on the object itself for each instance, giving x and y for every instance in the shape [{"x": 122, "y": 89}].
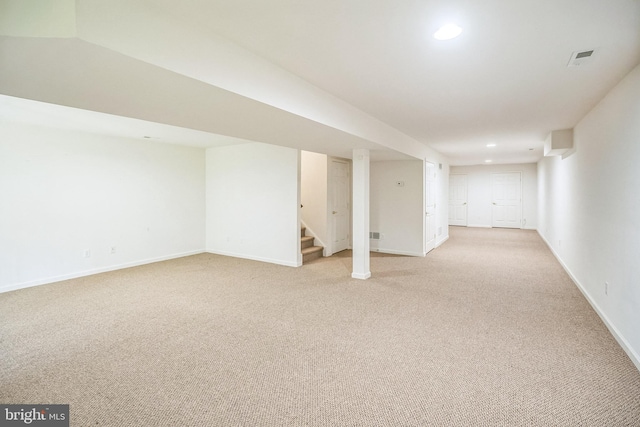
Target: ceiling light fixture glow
[
  {"x": 488, "y": 161},
  {"x": 491, "y": 145},
  {"x": 447, "y": 32}
]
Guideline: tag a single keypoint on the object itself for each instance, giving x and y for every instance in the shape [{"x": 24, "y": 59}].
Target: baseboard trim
[
  {"x": 479, "y": 226},
  {"x": 296, "y": 263},
  {"x": 394, "y": 252},
  {"x": 438, "y": 243},
  {"x": 635, "y": 358},
  {"x": 361, "y": 276},
  {"x": 84, "y": 273}
]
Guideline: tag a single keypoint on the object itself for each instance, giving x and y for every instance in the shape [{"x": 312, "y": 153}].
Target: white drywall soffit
[
  {"x": 89, "y": 77},
  {"x": 29, "y": 112},
  {"x": 156, "y": 37},
  {"x": 94, "y": 78},
  {"x": 558, "y": 142}
]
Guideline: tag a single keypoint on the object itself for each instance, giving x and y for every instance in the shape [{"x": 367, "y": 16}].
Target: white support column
[{"x": 361, "y": 214}]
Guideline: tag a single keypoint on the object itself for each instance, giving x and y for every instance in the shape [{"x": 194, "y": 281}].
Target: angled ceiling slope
[{"x": 79, "y": 74}]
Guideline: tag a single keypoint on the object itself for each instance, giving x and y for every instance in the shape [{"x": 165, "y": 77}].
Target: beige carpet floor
[{"x": 487, "y": 330}]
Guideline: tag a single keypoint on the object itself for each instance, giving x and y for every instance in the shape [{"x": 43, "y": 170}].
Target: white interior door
[
  {"x": 339, "y": 207},
  {"x": 430, "y": 206},
  {"x": 506, "y": 209},
  {"x": 458, "y": 200}
]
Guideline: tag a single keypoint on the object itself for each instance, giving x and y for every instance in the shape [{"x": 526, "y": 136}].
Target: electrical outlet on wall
[
  {"x": 87, "y": 253},
  {"x": 113, "y": 250},
  {"x": 606, "y": 288}
]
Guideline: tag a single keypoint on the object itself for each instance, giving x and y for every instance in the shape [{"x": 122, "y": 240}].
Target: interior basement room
[{"x": 319, "y": 213}]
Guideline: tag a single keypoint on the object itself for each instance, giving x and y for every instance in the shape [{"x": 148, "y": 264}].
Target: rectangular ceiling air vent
[
  {"x": 584, "y": 54},
  {"x": 580, "y": 57}
]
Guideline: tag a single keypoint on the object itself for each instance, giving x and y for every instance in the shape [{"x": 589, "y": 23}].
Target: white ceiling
[
  {"x": 28, "y": 112},
  {"x": 504, "y": 80}
]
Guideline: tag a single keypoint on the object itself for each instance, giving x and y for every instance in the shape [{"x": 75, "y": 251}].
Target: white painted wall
[
  {"x": 589, "y": 210},
  {"x": 479, "y": 192},
  {"x": 313, "y": 194},
  {"x": 253, "y": 202},
  {"x": 397, "y": 212},
  {"x": 62, "y": 193}
]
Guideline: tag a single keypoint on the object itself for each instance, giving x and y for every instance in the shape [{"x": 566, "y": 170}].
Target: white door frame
[
  {"x": 330, "y": 217},
  {"x": 429, "y": 211}
]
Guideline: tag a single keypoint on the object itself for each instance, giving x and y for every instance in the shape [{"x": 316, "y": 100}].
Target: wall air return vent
[
  {"x": 580, "y": 58},
  {"x": 375, "y": 235}
]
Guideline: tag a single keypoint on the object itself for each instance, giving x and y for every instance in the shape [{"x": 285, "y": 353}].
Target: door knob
[{"x": 335, "y": 212}]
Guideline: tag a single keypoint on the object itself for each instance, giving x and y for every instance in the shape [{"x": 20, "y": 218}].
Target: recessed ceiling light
[
  {"x": 447, "y": 32},
  {"x": 491, "y": 145},
  {"x": 488, "y": 161}
]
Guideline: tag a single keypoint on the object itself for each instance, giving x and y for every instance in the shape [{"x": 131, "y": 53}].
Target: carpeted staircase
[{"x": 309, "y": 251}]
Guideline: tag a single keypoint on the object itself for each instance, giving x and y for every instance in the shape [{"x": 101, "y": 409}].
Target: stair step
[
  {"x": 311, "y": 253},
  {"x": 306, "y": 242}
]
